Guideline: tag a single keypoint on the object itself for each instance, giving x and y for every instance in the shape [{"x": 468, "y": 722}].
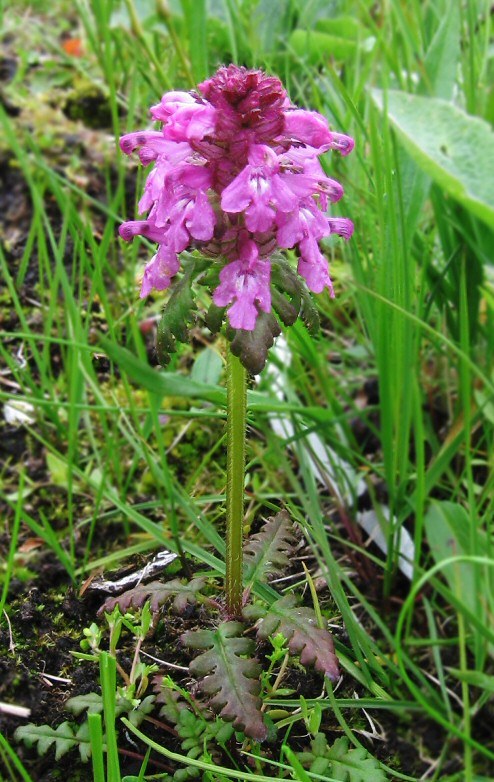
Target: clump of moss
[{"x": 89, "y": 104}]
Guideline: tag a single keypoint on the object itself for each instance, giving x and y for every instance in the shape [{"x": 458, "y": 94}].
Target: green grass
[{"x": 413, "y": 318}]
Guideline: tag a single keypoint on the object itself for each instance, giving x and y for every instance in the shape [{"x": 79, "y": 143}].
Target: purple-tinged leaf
[
  {"x": 229, "y": 673},
  {"x": 157, "y": 593},
  {"x": 266, "y": 554},
  {"x": 299, "y": 626},
  {"x": 251, "y": 347}
]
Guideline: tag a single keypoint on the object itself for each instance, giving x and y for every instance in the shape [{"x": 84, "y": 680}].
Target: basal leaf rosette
[{"x": 237, "y": 180}]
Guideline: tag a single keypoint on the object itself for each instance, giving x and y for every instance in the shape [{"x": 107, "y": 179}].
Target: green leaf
[
  {"x": 354, "y": 765},
  {"x": 340, "y": 763},
  {"x": 207, "y": 367},
  {"x": 285, "y": 282},
  {"x": 299, "y": 626},
  {"x": 157, "y": 593},
  {"x": 453, "y": 148},
  {"x": 448, "y": 533},
  {"x": 441, "y": 60},
  {"x": 348, "y": 27},
  {"x": 230, "y": 674},
  {"x": 171, "y": 700},
  {"x": 266, "y": 554},
  {"x": 319, "y": 47},
  {"x": 64, "y": 737},
  {"x": 161, "y": 383},
  {"x": 177, "y": 314},
  {"x": 58, "y": 470},
  {"x": 474, "y": 678},
  {"x": 91, "y": 702}
]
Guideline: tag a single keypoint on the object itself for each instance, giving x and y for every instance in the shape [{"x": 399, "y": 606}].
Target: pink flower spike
[
  {"x": 306, "y": 221},
  {"x": 184, "y": 117},
  {"x": 236, "y": 175}
]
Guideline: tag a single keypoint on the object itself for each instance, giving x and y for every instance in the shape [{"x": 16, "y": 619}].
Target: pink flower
[
  {"x": 259, "y": 190},
  {"x": 236, "y": 175},
  {"x": 246, "y": 283}
]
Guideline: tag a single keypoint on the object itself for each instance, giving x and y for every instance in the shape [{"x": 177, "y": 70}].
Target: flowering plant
[
  {"x": 237, "y": 180},
  {"x": 237, "y": 177}
]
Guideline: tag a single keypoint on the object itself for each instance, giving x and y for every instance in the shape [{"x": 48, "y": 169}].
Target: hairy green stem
[{"x": 236, "y": 424}]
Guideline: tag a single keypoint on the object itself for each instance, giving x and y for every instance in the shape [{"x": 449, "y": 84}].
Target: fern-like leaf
[
  {"x": 299, "y": 626},
  {"x": 91, "y": 702},
  {"x": 172, "y": 705},
  {"x": 229, "y": 673},
  {"x": 65, "y": 737},
  {"x": 157, "y": 592},
  {"x": 341, "y": 763},
  {"x": 266, "y": 553}
]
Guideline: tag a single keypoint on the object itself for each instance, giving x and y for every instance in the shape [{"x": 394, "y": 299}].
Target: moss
[{"x": 90, "y": 105}]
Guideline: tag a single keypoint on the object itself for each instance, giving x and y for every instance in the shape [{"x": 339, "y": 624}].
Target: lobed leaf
[
  {"x": 171, "y": 700},
  {"x": 299, "y": 626},
  {"x": 251, "y": 347},
  {"x": 287, "y": 283},
  {"x": 65, "y": 737},
  {"x": 157, "y": 593},
  {"x": 267, "y": 552},
  {"x": 341, "y": 763},
  {"x": 229, "y": 673},
  {"x": 177, "y": 313},
  {"x": 91, "y": 702}
]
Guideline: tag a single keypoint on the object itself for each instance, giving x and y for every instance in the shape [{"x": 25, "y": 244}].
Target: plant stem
[{"x": 236, "y": 424}]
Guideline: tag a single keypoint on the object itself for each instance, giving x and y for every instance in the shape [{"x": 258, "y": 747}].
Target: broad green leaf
[
  {"x": 438, "y": 79},
  {"x": 348, "y": 27},
  {"x": 453, "y": 148},
  {"x": 229, "y": 673},
  {"x": 448, "y": 533},
  {"x": 207, "y": 367},
  {"x": 321, "y": 47}
]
